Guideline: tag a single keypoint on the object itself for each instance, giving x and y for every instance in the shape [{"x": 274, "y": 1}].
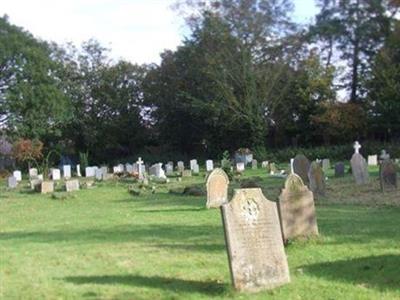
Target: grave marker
[
  {"x": 217, "y": 188},
  {"x": 301, "y": 165},
  {"x": 72, "y": 185},
  {"x": 316, "y": 178},
  {"x": 388, "y": 175}
]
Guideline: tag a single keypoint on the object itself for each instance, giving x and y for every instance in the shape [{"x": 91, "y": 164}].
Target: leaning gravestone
[
  {"x": 297, "y": 210},
  {"x": 72, "y": 185},
  {"x": 217, "y": 188},
  {"x": 12, "y": 182},
  {"x": 301, "y": 165},
  {"x": 388, "y": 175},
  {"x": 254, "y": 243},
  {"x": 359, "y": 168},
  {"x": 339, "y": 169},
  {"x": 316, "y": 178}
]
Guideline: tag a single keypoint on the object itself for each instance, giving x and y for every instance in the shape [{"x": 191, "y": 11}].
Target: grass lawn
[{"x": 104, "y": 243}]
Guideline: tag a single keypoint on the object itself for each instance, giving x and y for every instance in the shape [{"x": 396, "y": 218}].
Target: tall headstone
[
  {"x": 301, "y": 165},
  {"x": 33, "y": 172},
  {"x": 12, "y": 182},
  {"x": 193, "y": 162},
  {"x": 180, "y": 166},
  {"x": 217, "y": 188},
  {"x": 297, "y": 209},
  {"x": 169, "y": 169},
  {"x": 209, "y": 165},
  {"x": 141, "y": 170},
  {"x": 359, "y": 166},
  {"x": 55, "y": 174},
  {"x": 240, "y": 167},
  {"x": 196, "y": 169},
  {"x": 67, "y": 171},
  {"x": 254, "y": 243},
  {"x": 388, "y": 175},
  {"x": 339, "y": 169},
  {"x": 72, "y": 185},
  {"x": 326, "y": 165},
  {"x": 18, "y": 175},
  {"x": 316, "y": 178},
  {"x": 78, "y": 170},
  {"x": 372, "y": 160},
  {"x": 254, "y": 164}
]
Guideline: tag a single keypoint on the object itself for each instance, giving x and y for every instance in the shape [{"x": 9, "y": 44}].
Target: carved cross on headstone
[{"x": 357, "y": 147}]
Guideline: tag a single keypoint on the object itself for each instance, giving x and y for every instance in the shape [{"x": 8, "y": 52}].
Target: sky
[{"x": 134, "y": 30}]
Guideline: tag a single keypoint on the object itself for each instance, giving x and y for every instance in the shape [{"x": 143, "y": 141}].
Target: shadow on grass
[
  {"x": 169, "y": 210},
  {"x": 211, "y": 288},
  {"x": 379, "y": 272}
]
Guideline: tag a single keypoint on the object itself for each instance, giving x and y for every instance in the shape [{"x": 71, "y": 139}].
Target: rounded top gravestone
[
  {"x": 301, "y": 165},
  {"x": 217, "y": 188},
  {"x": 317, "y": 179}
]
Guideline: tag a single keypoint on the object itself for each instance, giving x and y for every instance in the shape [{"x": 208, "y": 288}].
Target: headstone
[
  {"x": 67, "y": 171},
  {"x": 78, "y": 170},
  {"x": 254, "y": 243},
  {"x": 217, "y": 188},
  {"x": 121, "y": 168},
  {"x": 116, "y": 170},
  {"x": 90, "y": 171},
  {"x": 388, "y": 175},
  {"x": 18, "y": 175},
  {"x": 209, "y": 165},
  {"x": 47, "y": 187},
  {"x": 193, "y": 162},
  {"x": 384, "y": 155},
  {"x": 187, "y": 173},
  {"x": 297, "y": 210},
  {"x": 196, "y": 169},
  {"x": 291, "y": 166},
  {"x": 359, "y": 168},
  {"x": 140, "y": 165},
  {"x": 316, "y": 178},
  {"x": 33, "y": 172},
  {"x": 180, "y": 166},
  {"x": 55, "y": 174},
  {"x": 169, "y": 169},
  {"x": 129, "y": 168},
  {"x": 301, "y": 165},
  {"x": 40, "y": 177},
  {"x": 264, "y": 164},
  {"x": 157, "y": 171},
  {"x": 35, "y": 183},
  {"x": 99, "y": 174},
  {"x": 240, "y": 167},
  {"x": 12, "y": 182},
  {"x": 254, "y": 164},
  {"x": 72, "y": 185},
  {"x": 372, "y": 160},
  {"x": 339, "y": 169},
  {"x": 104, "y": 170},
  {"x": 326, "y": 165},
  {"x": 272, "y": 169}
]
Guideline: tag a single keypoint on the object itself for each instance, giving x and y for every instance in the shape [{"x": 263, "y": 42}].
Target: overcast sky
[{"x": 136, "y": 30}]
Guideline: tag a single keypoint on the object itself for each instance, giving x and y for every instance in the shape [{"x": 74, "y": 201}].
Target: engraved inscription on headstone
[
  {"x": 254, "y": 243},
  {"x": 297, "y": 210},
  {"x": 217, "y": 188}
]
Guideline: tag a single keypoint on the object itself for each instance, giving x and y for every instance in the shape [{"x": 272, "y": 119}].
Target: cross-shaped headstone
[
  {"x": 357, "y": 147},
  {"x": 139, "y": 163}
]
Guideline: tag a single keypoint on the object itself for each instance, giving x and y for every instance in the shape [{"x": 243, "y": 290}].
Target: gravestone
[
  {"x": 72, "y": 185},
  {"x": 359, "y": 168},
  {"x": 157, "y": 171},
  {"x": 254, "y": 164},
  {"x": 104, "y": 170},
  {"x": 40, "y": 177},
  {"x": 35, "y": 183},
  {"x": 196, "y": 169},
  {"x": 187, "y": 173},
  {"x": 180, "y": 166},
  {"x": 169, "y": 169},
  {"x": 339, "y": 169},
  {"x": 384, "y": 155},
  {"x": 372, "y": 160},
  {"x": 240, "y": 167},
  {"x": 301, "y": 165},
  {"x": 297, "y": 210},
  {"x": 18, "y": 175},
  {"x": 272, "y": 169},
  {"x": 264, "y": 164},
  {"x": 67, "y": 171},
  {"x": 121, "y": 168},
  {"x": 193, "y": 162},
  {"x": 217, "y": 188},
  {"x": 47, "y": 187},
  {"x": 55, "y": 174},
  {"x": 129, "y": 168},
  {"x": 98, "y": 174},
  {"x": 209, "y": 165},
  {"x": 254, "y": 243},
  {"x": 12, "y": 182},
  {"x": 33, "y": 172},
  {"x": 388, "y": 175},
  {"x": 326, "y": 165},
  {"x": 291, "y": 166},
  {"x": 90, "y": 172},
  {"x": 78, "y": 170},
  {"x": 316, "y": 178}
]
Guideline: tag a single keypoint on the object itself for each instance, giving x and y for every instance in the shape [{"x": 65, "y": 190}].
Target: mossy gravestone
[
  {"x": 316, "y": 178},
  {"x": 301, "y": 165},
  {"x": 254, "y": 243},
  {"x": 297, "y": 210},
  {"x": 388, "y": 175},
  {"x": 217, "y": 188}
]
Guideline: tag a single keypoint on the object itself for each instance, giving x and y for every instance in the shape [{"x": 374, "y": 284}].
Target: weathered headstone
[
  {"x": 33, "y": 172},
  {"x": 209, "y": 165},
  {"x": 35, "y": 183},
  {"x": 384, "y": 155},
  {"x": 264, "y": 164},
  {"x": 372, "y": 160},
  {"x": 240, "y": 167},
  {"x": 129, "y": 168},
  {"x": 297, "y": 210},
  {"x": 193, "y": 162},
  {"x": 272, "y": 169},
  {"x": 254, "y": 243},
  {"x": 98, "y": 174},
  {"x": 67, "y": 171},
  {"x": 180, "y": 166},
  {"x": 18, "y": 175},
  {"x": 359, "y": 168},
  {"x": 55, "y": 174},
  {"x": 388, "y": 175},
  {"x": 90, "y": 172},
  {"x": 196, "y": 169},
  {"x": 339, "y": 169},
  {"x": 169, "y": 169},
  {"x": 157, "y": 171},
  {"x": 254, "y": 164},
  {"x": 316, "y": 178},
  {"x": 12, "y": 182},
  {"x": 217, "y": 188},
  {"x": 72, "y": 185},
  {"x": 187, "y": 173},
  {"x": 326, "y": 165},
  {"x": 301, "y": 165},
  {"x": 47, "y": 187}
]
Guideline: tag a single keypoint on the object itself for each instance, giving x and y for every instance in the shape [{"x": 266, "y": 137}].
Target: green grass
[{"x": 104, "y": 243}]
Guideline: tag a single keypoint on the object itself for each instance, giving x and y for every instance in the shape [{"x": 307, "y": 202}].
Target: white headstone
[
  {"x": 291, "y": 166},
  {"x": 99, "y": 174},
  {"x": 33, "y": 172},
  {"x": 18, "y": 175},
  {"x": 240, "y": 167},
  {"x": 55, "y": 174},
  {"x": 90, "y": 171},
  {"x": 169, "y": 168},
  {"x": 12, "y": 182},
  {"x": 141, "y": 169},
  {"x": 67, "y": 171},
  {"x": 129, "y": 168},
  {"x": 180, "y": 166},
  {"x": 209, "y": 165},
  {"x": 193, "y": 162},
  {"x": 78, "y": 170},
  {"x": 372, "y": 160}
]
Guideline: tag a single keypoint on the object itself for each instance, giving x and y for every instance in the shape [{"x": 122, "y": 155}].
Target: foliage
[
  {"x": 84, "y": 160},
  {"x": 5, "y": 147},
  {"x": 26, "y": 150}
]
